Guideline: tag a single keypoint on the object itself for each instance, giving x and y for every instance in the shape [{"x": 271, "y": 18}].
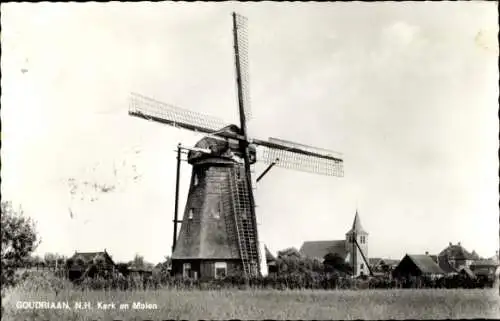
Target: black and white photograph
[{"x": 250, "y": 160}]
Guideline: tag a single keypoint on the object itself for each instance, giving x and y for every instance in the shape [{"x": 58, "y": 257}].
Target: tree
[
  {"x": 19, "y": 241},
  {"x": 137, "y": 262},
  {"x": 334, "y": 262}
]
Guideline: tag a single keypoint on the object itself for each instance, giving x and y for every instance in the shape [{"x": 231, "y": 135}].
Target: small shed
[{"x": 417, "y": 265}]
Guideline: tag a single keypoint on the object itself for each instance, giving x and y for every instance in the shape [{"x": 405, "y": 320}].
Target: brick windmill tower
[{"x": 218, "y": 233}]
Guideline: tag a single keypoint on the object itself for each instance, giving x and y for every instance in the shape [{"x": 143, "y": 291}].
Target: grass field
[{"x": 263, "y": 304}]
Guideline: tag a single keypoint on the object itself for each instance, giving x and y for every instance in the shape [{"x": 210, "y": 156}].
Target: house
[
  {"x": 417, "y": 265},
  {"x": 379, "y": 264},
  {"x": 80, "y": 263},
  {"x": 467, "y": 272},
  {"x": 485, "y": 268},
  {"x": 346, "y": 249},
  {"x": 271, "y": 261},
  {"x": 445, "y": 265},
  {"x": 457, "y": 256}
]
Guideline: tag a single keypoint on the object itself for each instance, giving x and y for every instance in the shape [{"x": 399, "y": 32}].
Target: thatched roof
[
  {"x": 319, "y": 249},
  {"x": 425, "y": 264},
  {"x": 269, "y": 256},
  {"x": 421, "y": 264},
  {"x": 204, "y": 231}
]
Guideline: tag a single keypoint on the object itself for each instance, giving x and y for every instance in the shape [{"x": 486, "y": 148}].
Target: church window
[{"x": 361, "y": 266}]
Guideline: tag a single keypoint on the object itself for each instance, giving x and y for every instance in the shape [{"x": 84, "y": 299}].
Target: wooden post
[{"x": 176, "y": 209}]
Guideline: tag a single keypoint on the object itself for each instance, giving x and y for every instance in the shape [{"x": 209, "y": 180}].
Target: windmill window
[
  {"x": 190, "y": 215},
  {"x": 220, "y": 269},
  {"x": 217, "y": 210},
  {"x": 195, "y": 180},
  {"x": 186, "y": 270}
]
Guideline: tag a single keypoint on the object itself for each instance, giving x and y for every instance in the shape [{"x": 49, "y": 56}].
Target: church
[{"x": 346, "y": 248}]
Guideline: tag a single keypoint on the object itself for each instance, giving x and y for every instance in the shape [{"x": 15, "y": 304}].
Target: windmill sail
[
  {"x": 241, "y": 43},
  {"x": 301, "y": 157},
  {"x": 154, "y": 110}
]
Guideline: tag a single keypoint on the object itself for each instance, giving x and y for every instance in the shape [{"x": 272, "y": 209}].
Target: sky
[{"x": 407, "y": 92}]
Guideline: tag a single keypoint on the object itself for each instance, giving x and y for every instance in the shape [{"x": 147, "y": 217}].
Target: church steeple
[
  {"x": 356, "y": 225},
  {"x": 357, "y": 250}
]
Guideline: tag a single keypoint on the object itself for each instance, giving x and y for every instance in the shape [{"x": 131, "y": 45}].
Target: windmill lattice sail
[
  {"x": 151, "y": 109},
  {"x": 242, "y": 52}
]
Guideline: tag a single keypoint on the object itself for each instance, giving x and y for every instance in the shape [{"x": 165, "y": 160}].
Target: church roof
[
  {"x": 356, "y": 225},
  {"x": 319, "y": 249}
]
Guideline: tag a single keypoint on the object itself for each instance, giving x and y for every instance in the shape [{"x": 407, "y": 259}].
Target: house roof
[
  {"x": 376, "y": 261},
  {"x": 425, "y": 264},
  {"x": 485, "y": 263},
  {"x": 468, "y": 272},
  {"x": 89, "y": 256},
  {"x": 445, "y": 265},
  {"x": 319, "y": 249},
  {"x": 269, "y": 256},
  {"x": 458, "y": 252}
]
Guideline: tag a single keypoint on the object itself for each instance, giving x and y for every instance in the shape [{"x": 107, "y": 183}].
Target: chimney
[
  {"x": 451, "y": 244},
  {"x": 458, "y": 243},
  {"x": 426, "y": 253}
]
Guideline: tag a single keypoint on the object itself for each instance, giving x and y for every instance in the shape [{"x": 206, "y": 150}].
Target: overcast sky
[{"x": 406, "y": 91}]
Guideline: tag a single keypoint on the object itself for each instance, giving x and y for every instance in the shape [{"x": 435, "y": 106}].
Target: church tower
[{"x": 355, "y": 257}]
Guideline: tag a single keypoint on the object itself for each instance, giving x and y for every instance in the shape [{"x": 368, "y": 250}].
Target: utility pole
[{"x": 176, "y": 209}]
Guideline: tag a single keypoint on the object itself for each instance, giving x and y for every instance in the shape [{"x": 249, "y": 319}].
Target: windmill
[{"x": 219, "y": 228}]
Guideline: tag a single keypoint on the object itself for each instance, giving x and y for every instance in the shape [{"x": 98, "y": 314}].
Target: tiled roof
[
  {"x": 318, "y": 249},
  {"x": 457, "y": 252},
  {"x": 484, "y": 263},
  {"x": 425, "y": 264},
  {"x": 445, "y": 265}
]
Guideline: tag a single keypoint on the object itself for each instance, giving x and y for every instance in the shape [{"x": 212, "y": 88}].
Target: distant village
[{"x": 452, "y": 260}]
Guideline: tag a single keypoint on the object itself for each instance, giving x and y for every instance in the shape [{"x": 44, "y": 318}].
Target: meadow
[{"x": 259, "y": 304}]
